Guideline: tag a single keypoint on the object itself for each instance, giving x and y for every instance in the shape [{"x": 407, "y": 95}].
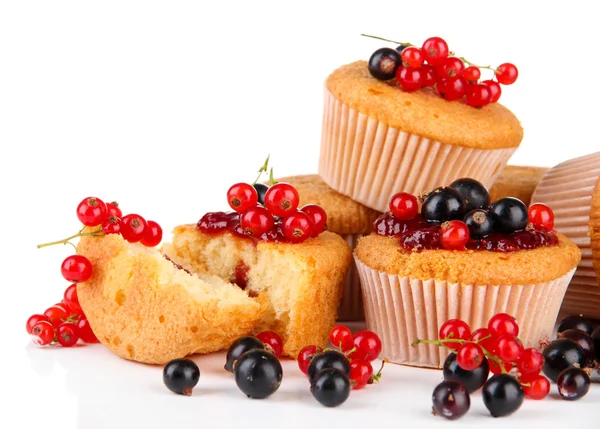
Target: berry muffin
[
  {"x": 381, "y": 135},
  {"x": 271, "y": 249},
  {"x": 460, "y": 257},
  {"x": 346, "y": 218},
  {"x": 572, "y": 190},
  {"x": 517, "y": 181}
]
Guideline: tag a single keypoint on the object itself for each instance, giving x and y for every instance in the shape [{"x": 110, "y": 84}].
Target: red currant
[
  {"x": 483, "y": 337},
  {"x": 272, "y": 340},
  {"x": 412, "y": 57},
  {"x": 454, "y": 329},
  {"x": 495, "y": 90},
  {"x": 497, "y": 369},
  {"x": 503, "y": 323},
  {"x": 67, "y": 334},
  {"x": 91, "y": 211},
  {"x": 153, "y": 235},
  {"x": 342, "y": 338},
  {"x": 507, "y": 73},
  {"x": 469, "y": 356},
  {"x": 56, "y": 315},
  {"x": 305, "y": 356},
  {"x": 404, "y": 206},
  {"x": 297, "y": 227},
  {"x": 85, "y": 331},
  {"x": 112, "y": 209},
  {"x": 409, "y": 78},
  {"x": 508, "y": 348},
  {"x": 255, "y": 221},
  {"x": 133, "y": 227},
  {"x": 428, "y": 75},
  {"x": 76, "y": 268},
  {"x": 478, "y": 95},
  {"x": 112, "y": 225},
  {"x": 42, "y": 333},
  {"x": 361, "y": 372},
  {"x": 455, "y": 235},
  {"x": 71, "y": 300},
  {"x": 241, "y": 197},
  {"x": 435, "y": 50},
  {"x": 451, "y": 89},
  {"x": 282, "y": 199},
  {"x": 367, "y": 344},
  {"x": 317, "y": 216},
  {"x": 471, "y": 74},
  {"x": 451, "y": 67},
  {"x": 33, "y": 320},
  {"x": 539, "y": 388},
  {"x": 542, "y": 215},
  {"x": 530, "y": 363}
]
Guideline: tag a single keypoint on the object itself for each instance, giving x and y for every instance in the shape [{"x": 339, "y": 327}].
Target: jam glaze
[{"x": 420, "y": 234}]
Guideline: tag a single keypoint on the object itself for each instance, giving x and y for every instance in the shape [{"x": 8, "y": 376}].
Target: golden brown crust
[
  {"x": 517, "y": 181},
  {"x": 138, "y": 318},
  {"x": 425, "y": 113},
  {"x": 595, "y": 229},
  {"x": 344, "y": 215},
  {"x": 470, "y": 267}
]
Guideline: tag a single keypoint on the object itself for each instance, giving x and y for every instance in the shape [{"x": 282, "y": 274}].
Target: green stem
[
  {"x": 263, "y": 169},
  {"x": 79, "y": 234},
  {"x": 387, "y": 40},
  {"x": 478, "y": 66},
  {"x": 271, "y": 178}
]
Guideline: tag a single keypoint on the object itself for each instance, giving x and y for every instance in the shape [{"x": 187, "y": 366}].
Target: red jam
[
  {"x": 240, "y": 275},
  {"x": 179, "y": 267},
  {"x": 219, "y": 222},
  {"x": 419, "y": 234}
]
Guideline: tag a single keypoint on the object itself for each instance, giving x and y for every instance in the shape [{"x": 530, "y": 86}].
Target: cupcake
[
  {"x": 346, "y": 218},
  {"x": 572, "y": 190},
  {"x": 420, "y": 269},
  {"x": 378, "y": 139},
  {"x": 517, "y": 181}
]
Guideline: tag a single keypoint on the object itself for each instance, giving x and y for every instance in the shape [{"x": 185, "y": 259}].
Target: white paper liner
[
  {"x": 351, "y": 308},
  {"x": 567, "y": 189},
  {"x": 402, "y": 309},
  {"x": 369, "y": 161}
]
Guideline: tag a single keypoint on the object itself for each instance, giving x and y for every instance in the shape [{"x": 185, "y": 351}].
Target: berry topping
[
  {"x": 331, "y": 387},
  {"x": 112, "y": 225},
  {"x": 428, "y": 75},
  {"x": 471, "y": 74},
  {"x": 133, "y": 227},
  {"x": 71, "y": 300},
  {"x": 306, "y": 355},
  {"x": 367, "y": 346},
  {"x": 239, "y": 347},
  {"x": 541, "y": 215},
  {"x": 451, "y": 400},
  {"x": 451, "y": 89},
  {"x": 256, "y": 221},
  {"x": 509, "y": 214},
  {"x": 272, "y": 342},
  {"x": 455, "y": 234},
  {"x": 472, "y": 379},
  {"x": 383, "y": 63},
  {"x": 76, "y": 268},
  {"x": 480, "y": 223},
  {"x": 575, "y": 322},
  {"x": 560, "y": 355},
  {"x": 297, "y": 227},
  {"x": 443, "y": 204},
  {"x": 328, "y": 359},
  {"x": 573, "y": 384},
  {"x": 502, "y": 395},
  {"x": 478, "y": 95},
  {"x": 495, "y": 90},
  {"x": 451, "y": 67},
  {"x": 282, "y": 199},
  {"x": 435, "y": 50},
  {"x": 258, "y": 373},
  {"x": 409, "y": 79},
  {"x": 453, "y": 330},
  {"x": 503, "y": 324},
  {"x": 404, "y": 206},
  {"x": 241, "y": 197},
  {"x": 508, "y": 348},
  {"x": 112, "y": 209},
  {"x": 317, "y": 216},
  {"x": 67, "y": 334},
  {"x": 412, "y": 57},
  {"x": 91, "y": 211},
  {"x": 470, "y": 356},
  {"x": 261, "y": 190},
  {"x": 476, "y": 196},
  {"x": 152, "y": 235},
  {"x": 181, "y": 376},
  {"x": 507, "y": 74}
]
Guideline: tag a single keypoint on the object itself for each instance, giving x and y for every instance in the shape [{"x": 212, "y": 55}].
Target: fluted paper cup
[
  {"x": 569, "y": 189},
  {"x": 351, "y": 308},
  {"x": 402, "y": 309},
  {"x": 369, "y": 161}
]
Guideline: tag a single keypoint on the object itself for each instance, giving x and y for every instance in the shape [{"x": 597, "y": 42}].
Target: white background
[{"x": 163, "y": 105}]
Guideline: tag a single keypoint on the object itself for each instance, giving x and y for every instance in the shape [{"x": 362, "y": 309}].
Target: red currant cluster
[
  {"x": 107, "y": 218},
  {"x": 63, "y": 323},
  {"x": 433, "y": 65}
]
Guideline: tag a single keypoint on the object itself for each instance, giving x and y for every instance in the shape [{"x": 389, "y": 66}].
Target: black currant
[
  {"x": 400, "y": 48},
  {"x": 472, "y": 380},
  {"x": 327, "y": 360},
  {"x": 480, "y": 223},
  {"x": 261, "y": 190},
  {"x": 584, "y": 341},
  {"x": 560, "y": 355},
  {"x": 331, "y": 387},
  {"x": 509, "y": 214},
  {"x": 239, "y": 347},
  {"x": 573, "y": 384},
  {"x": 596, "y": 340},
  {"x": 451, "y": 400},
  {"x": 181, "y": 376},
  {"x": 502, "y": 395},
  {"x": 443, "y": 204},
  {"x": 258, "y": 373},
  {"x": 383, "y": 63},
  {"x": 473, "y": 192},
  {"x": 575, "y": 322}
]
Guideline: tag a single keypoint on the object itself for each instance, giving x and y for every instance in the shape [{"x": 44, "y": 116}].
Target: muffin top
[
  {"x": 595, "y": 228},
  {"x": 517, "y": 181},
  {"x": 470, "y": 267},
  {"x": 424, "y": 113},
  {"x": 344, "y": 215}
]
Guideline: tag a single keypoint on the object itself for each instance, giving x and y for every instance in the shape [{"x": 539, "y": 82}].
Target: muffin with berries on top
[
  {"x": 413, "y": 121},
  {"x": 276, "y": 251},
  {"x": 459, "y": 256}
]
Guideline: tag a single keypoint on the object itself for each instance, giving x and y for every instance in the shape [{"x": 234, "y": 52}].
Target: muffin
[
  {"x": 378, "y": 139},
  {"x": 346, "y": 218},
  {"x": 572, "y": 189},
  {"x": 430, "y": 267},
  {"x": 517, "y": 181}
]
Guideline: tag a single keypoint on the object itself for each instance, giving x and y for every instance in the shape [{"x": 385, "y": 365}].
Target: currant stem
[
  {"x": 79, "y": 234},
  {"x": 387, "y": 40},
  {"x": 263, "y": 169},
  {"x": 463, "y": 59},
  {"x": 271, "y": 178}
]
